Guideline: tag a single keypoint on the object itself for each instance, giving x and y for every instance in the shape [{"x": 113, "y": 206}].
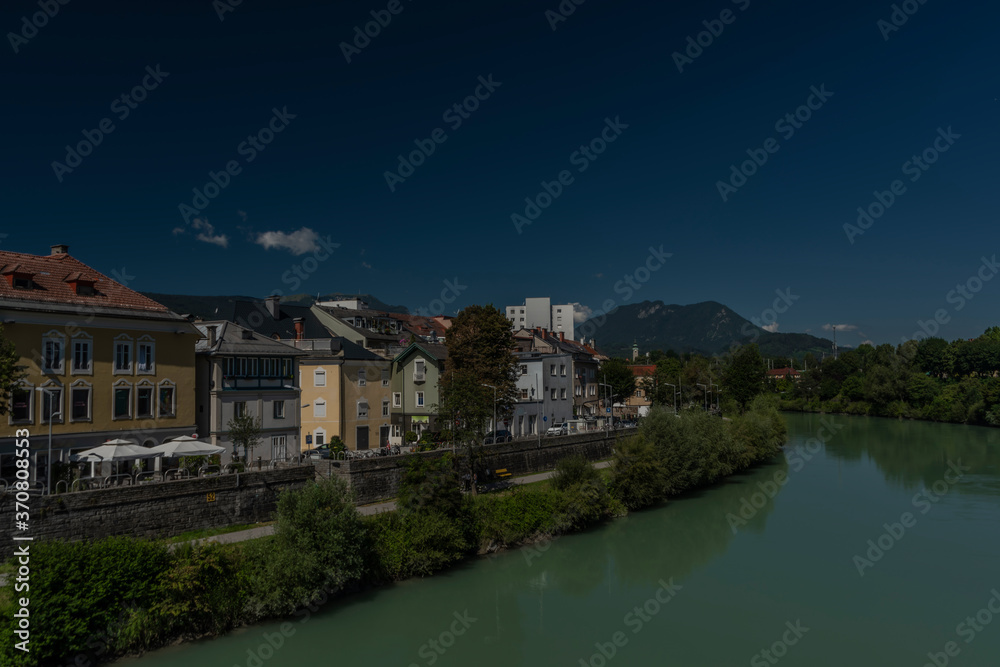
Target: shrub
[
  {"x": 430, "y": 485},
  {"x": 573, "y": 471},
  {"x": 514, "y": 517},
  {"x": 639, "y": 477},
  {"x": 415, "y": 544}
]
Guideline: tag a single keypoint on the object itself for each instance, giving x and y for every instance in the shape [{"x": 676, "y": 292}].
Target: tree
[
  {"x": 11, "y": 372},
  {"x": 480, "y": 352},
  {"x": 618, "y": 374},
  {"x": 244, "y": 431},
  {"x": 743, "y": 380}
]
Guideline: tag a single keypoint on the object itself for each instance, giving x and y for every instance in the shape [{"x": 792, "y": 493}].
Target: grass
[{"x": 209, "y": 532}]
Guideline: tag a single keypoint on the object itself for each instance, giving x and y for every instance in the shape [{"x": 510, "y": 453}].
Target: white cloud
[
  {"x": 206, "y": 232},
  {"x": 581, "y": 313},
  {"x": 771, "y": 328},
  {"x": 840, "y": 327},
  {"x": 868, "y": 342},
  {"x": 242, "y": 214},
  {"x": 298, "y": 242},
  {"x": 366, "y": 265}
]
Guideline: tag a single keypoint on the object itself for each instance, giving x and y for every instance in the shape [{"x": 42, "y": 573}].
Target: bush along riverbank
[{"x": 92, "y": 601}]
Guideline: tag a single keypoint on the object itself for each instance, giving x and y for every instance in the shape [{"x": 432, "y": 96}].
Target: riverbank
[{"x": 119, "y": 596}]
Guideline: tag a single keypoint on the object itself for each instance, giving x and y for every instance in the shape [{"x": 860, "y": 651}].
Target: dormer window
[
  {"x": 21, "y": 283},
  {"x": 19, "y": 277},
  {"x": 81, "y": 284}
]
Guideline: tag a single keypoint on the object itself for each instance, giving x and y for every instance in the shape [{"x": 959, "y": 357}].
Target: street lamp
[
  {"x": 706, "y": 394},
  {"x": 608, "y": 398},
  {"x": 494, "y": 411},
  {"x": 674, "y": 387},
  {"x": 716, "y": 396},
  {"x": 48, "y": 460}
]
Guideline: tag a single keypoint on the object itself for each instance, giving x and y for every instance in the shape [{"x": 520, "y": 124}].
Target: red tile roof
[
  {"x": 782, "y": 372},
  {"x": 643, "y": 370},
  {"x": 50, "y": 274}
]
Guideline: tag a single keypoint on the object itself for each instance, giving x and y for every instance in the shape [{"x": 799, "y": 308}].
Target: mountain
[
  {"x": 706, "y": 328},
  {"x": 209, "y": 307}
]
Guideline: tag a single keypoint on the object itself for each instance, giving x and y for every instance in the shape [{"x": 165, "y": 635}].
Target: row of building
[{"x": 103, "y": 361}]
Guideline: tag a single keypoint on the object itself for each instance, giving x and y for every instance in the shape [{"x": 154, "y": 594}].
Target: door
[
  {"x": 362, "y": 437},
  {"x": 383, "y": 436}
]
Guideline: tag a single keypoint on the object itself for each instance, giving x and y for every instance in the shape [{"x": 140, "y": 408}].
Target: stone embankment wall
[
  {"x": 155, "y": 510},
  {"x": 377, "y": 479}
]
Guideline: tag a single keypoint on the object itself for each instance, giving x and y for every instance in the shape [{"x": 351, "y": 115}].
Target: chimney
[
  {"x": 562, "y": 337},
  {"x": 273, "y": 303},
  {"x": 211, "y": 335},
  {"x": 300, "y": 327},
  {"x": 60, "y": 249}
]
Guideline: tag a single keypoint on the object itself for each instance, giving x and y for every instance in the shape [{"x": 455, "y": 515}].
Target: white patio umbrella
[
  {"x": 187, "y": 446},
  {"x": 116, "y": 450}
]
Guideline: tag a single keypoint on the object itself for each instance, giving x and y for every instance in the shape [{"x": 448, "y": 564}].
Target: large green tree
[
  {"x": 743, "y": 379},
  {"x": 617, "y": 373},
  {"x": 480, "y": 352},
  {"x": 244, "y": 432},
  {"x": 11, "y": 371}
]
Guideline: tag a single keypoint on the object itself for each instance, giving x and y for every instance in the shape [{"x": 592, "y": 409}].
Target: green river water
[{"x": 793, "y": 581}]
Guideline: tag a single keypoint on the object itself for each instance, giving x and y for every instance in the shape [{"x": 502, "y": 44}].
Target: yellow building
[
  {"x": 345, "y": 393},
  {"x": 102, "y": 361}
]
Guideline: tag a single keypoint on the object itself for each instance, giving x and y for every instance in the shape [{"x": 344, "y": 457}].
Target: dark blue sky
[{"x": 323, "y": 175}]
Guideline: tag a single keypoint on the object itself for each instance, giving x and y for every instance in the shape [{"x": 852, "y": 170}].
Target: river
[{"x": 832, "y": 555}]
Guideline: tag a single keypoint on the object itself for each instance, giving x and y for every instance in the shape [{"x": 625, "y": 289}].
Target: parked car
[
  {"x": 321, "y": 452},
  {"x": 558, "y": 429},
  {"x": 498, "y": 436}
]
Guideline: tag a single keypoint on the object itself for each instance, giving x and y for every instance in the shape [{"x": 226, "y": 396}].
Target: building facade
[
  {"x": 538, "y": 312},
  {"x": 416, "y": 373},
  {"x": 241, "y": 372},
  {"x": 101, "y": 361},
  {"x": 545, "y": 392}
]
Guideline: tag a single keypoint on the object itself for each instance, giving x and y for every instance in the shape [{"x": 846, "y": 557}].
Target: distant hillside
[
  {"x": 209, "y": 307},
  {"x": 706, "y": 328}
]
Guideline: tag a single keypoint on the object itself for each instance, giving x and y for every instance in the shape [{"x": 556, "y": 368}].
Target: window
[
  {"x": 552, "y": 370},
  {"x": 79, "y": 398},
  {"x": 319, "y": 378},
  {"x": 554, "y": 394},
  {"x": 578, "y": 391},
  {"x": 420, "y": 399},
  {"x": 123, "y": 356},
  {"x": 122, "y": 401},
  {"x": 362, "y": 377},
  {"x": 82, "y": 356},
  {"x": 320, "y": 437},
  {"x": 52, "y": 353},
  {"x": 240, "y": 409},
  {"x": 166, "y": 408},
  {"x": 524, "y": 394},
  {"x": 385, "y": 408},
  {"x": 397, "y": 399},
  {"x": 419, "y": 368},
  {"x": 362, "y": 409},
  {"x": 20, "y": 404},
  {"x": 279, "y": 450},
  {"x": 144, "y": 401},
  {"x": 286, "y": 368},
  {"x": 524, "y": 369},
  {"x": 147, "y": 361},
  {"x": 592, "y": 390},
  {"x": 562, "y": 393},
  {"x": 279, "y": 409},
  {"x": 319, "y": 409},
  {"x": 385, "y": 377},
  {"x": 562, "y": 370}
]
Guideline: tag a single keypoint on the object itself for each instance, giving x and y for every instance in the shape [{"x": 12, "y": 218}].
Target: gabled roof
[
  {"x": 229, "y": 340},
  {"x": 51, "y": 288},
  {"x": 248, "y": 312},
  {"x": 643, "y": 370},
  {"x": 335, "y": 347},
  {"x": 432, "y": 350}
]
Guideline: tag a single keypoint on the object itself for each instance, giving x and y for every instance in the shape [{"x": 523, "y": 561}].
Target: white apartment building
[{"x": 539, "y": 312}]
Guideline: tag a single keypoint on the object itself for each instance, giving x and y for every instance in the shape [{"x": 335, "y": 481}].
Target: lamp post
[
  {"x": 674, "y": 387},
  {"x": 48, "y": 460},
  {"x": 494, "y": 411},
  {"x": 716, "y": 396},
  {"x": 706, "y": 394}
]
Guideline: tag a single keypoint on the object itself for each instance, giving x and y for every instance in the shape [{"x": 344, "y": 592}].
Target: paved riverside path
[{"x": 375, "y": 508}]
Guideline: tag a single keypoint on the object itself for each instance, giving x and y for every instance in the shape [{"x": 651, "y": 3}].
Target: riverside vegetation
[{"x": 92, "y": 601}]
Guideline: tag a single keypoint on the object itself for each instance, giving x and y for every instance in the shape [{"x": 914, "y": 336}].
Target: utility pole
[
  {"x": 494, "y": 411},
  {"x": 706, "y": 394}
]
